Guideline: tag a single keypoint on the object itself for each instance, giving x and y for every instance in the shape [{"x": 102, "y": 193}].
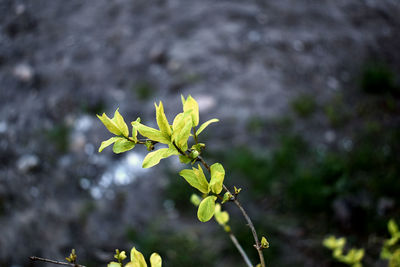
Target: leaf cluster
[
  {"x": 353, "y": 257},
  {"x": 136, "y": 259}
]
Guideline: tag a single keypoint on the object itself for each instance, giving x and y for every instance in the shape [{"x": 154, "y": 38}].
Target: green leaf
[
  {"x": 119, "y": 121},
  {"x": 183, "y": 159},
  {"x": 153, "y": 158},
  {"x": 108, "y": 142},
  {"x": 137, "y": 258},
  {"x": 226, "y": 198},
  {"x": 264, "y": 242},
  {"x": 196, "y": 178},
  {"x": 114, "y": 264},
  {"x": 134, "y": 131},
  {"x": 222, "y": 217},
  {"x": 195, "y": 199},
  {"x": 110, "y": 125},
  {"x": 204, "y": 125},
  {"x": 155, "y": 260},
  {"x": 192, "y": 106},
  {"x": 181, "y": 128},
  {"x": 206, "y": 209},
  {"x": 183, "y": 100},
  {"x": 333, "y": 243},
  {"x": 393, "y": 228},
  {"x": 116, "y": 125},
  {"x": 162, "y": 121},
  {"x": 122, "y": 145},
  {"x": 150, "y": 133},
  {"x": 217, "y": 178}
]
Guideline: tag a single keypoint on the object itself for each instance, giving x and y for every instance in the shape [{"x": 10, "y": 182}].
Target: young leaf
[
  {"x": 108, "y": 142},
  {"x": 114, "y": 264},
  {"x": 181, "y": 128},
  {"x": 393, "y": 228},
  {"x": 137, "y": 258},
  {"x": 195, "y": 199},
  {"x": 153, "y": 158},
  {"x": 204, "y": 125},
  {"x": 191, "y": 104},
  {"x": 185, "y": 160},
  {"x": 222, "y": 217},
  {"x": 134, "y": 131},
  {"x": 227, "y": 196},
  {"x": 217, "y": 178},
  {"x": 110, "y": 124},
  {"x": 155, "y": 260},
  {"x": 206, "y": 209},
  {"x": 119, "y": 121},
  {"x": 150, "y": 133},
  {"x": 196, "y": 179},
  {"x": 264, "y": 242},
  {"x": 162, "y": 121},
  {"x": 183, "y": 100},
  {"x": 122, "y": 145}
]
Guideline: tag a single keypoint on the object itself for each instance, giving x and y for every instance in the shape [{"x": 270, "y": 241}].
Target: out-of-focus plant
[
  {"x": 391, "y": 246},
  {"x": 137, "y": 259},
  {"x": 390, "y": 250},
  {"x": 352, "y": 258}
]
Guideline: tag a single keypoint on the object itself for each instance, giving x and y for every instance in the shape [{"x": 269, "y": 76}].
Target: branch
[
  {"x": 33, "y": 258},
  {"x": 240, "y": 249}
]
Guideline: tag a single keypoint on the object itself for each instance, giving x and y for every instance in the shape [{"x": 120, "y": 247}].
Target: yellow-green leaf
[
  {"x": 334, "y": 243},
  {"x": 134, "y": 130},
  {"x": 264, "y": 242},
  {"x": 108, "y": 142},
  {"x": 119, "y": 121},
  {"x": 122, "y": 145},
  {"x": 195, "y": 199},
  {"x": 217, "y": 178},
  {"x": 150, "y": 133},
  {"x": 162, "y": 121},
  {"x": 196, "y": 178},
  {"x": 137, "y": 258},
  {"x": 192, "y": 106},
  {"x": 155, "y": 260},
  {"x": 110, "y": 125},
  {"x": 114, "y": 264},
  {"x": 153, "y": 158},
  {"x": 206, "y": 209},
  {"x": 183, "y": 100},
  {"x": 204, "y": 125},
  {"x": 222, "y": 217},
  {"x": 393, "y": 228},
  {"x": 181, "y": 128}
]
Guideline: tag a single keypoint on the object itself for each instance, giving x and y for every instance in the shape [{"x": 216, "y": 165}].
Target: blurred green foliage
[
  {"x": 143, "y": 90},
  {"x": 378, "y": 78},
  {"x": 304, "y": 105},
  {"x": 59, "y": 136},
  {"x": 178, "y": 248}
]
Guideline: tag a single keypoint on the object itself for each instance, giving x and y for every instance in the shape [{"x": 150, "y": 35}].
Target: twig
[
  {"x": 33, "y": 258},
  {"x": 240, "y": 249}
]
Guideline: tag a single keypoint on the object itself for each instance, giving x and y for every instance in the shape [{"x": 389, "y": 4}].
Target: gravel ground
[{"x": 60, "y": 61}]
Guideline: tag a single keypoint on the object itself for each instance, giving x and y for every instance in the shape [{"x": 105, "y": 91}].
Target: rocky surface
[{"x": 62, "y": 61}]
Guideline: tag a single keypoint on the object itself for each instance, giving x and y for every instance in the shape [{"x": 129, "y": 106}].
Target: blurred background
[{"x": 308, "y": 97}]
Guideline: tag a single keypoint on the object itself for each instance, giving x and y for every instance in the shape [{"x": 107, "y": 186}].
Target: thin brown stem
[
  {"x": 240, "y": 249},
  {"x": 33, "y": 258}
]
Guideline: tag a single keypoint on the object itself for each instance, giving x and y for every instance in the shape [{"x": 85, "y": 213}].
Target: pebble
[
  {"x": 23, "y": 72},
  {"x": 3, "y": 127},
  {"x": 27, "y": 163}
]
